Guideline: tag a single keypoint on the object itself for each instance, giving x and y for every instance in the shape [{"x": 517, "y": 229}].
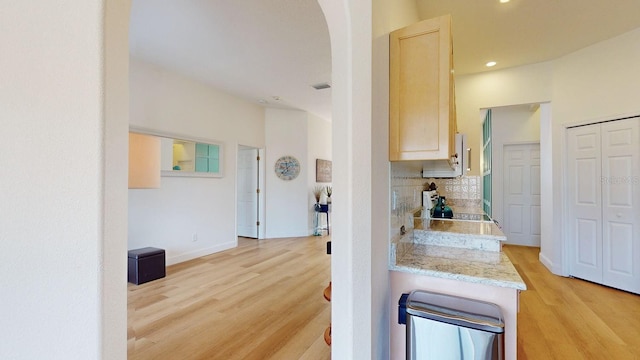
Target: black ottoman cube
[{"x": 146, "y": 264}]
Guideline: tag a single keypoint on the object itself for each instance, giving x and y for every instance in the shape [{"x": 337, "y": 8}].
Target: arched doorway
[{"x": 351, "y": 259}]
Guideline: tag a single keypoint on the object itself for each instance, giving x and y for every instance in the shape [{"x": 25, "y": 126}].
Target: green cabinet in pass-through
[{"x": 207, "y": 158}]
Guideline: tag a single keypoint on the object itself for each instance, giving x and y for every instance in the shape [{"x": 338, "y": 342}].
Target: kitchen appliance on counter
[
  {"x": 441, "y": 210},
  {"x": 449, "y": 168},
  {"x": 428, "y": 199}
]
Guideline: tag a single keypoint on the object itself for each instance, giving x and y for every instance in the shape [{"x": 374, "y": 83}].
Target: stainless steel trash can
[{"x": 445, "y": 327}]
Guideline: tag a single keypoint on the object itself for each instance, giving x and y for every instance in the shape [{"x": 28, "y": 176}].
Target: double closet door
[{"x": 603, "y": 212}]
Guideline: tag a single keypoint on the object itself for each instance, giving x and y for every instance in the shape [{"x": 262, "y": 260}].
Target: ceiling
[
  {"x": 266, "y": 51},
  {"x": 528, "y": 31},
  {"x": 271, "y": 52}
]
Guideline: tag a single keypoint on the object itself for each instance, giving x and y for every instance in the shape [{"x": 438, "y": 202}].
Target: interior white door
[
  {"x": 522, "y": 194},
  {"x": 620, "y": 184},
  {"x": 248, "y": 192},
  {"x": 585, "y": 202}
]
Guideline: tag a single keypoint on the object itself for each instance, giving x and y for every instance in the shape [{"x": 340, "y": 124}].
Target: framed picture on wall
[{"x": 323, "y": 171}]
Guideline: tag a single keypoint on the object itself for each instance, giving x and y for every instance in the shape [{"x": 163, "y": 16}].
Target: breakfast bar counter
[
  {"x": 476, "y": 266},
  {"x": 460, "y": 227},
  {"x": 454, "y": 257}
]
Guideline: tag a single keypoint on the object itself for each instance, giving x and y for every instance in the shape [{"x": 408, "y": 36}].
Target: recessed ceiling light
[
  {"x": 491, "y": 63},
  {"x": 504, "y": 1}
]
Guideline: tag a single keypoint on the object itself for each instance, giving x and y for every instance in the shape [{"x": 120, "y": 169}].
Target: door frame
[
  {"x": 497, "y": 172},
  {"x": 594, "y": 273},
  {"x": 260, "y": 206},
  {"x": 500, "y": 189}
]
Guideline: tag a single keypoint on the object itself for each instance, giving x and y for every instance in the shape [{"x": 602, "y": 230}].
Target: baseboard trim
[
  {"x": 200, "y": 252},
  {"x": 549, "y": 264}
]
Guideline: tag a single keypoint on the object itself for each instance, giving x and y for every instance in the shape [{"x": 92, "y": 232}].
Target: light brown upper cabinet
[{"x": 422, "y": 116}]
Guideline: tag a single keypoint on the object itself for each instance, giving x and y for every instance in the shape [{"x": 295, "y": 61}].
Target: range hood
[{"x": 455, "y": 167}]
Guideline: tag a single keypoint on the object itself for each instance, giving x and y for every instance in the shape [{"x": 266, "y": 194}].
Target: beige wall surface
[
  {"x": 529, "y": 84},
  {"x": 353, "y": 336},
  {"x": 388, "y": 15},
  {"x": 64, "y": 126},
  {"x": 286, "y": 202},
  {"x": 597, "y": 82},
  {"x": 511, "y": 125},
  {"x": 184, "y": 219}
]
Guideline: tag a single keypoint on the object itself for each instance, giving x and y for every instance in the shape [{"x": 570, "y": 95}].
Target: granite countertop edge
[
  {"x": 462, "y": 228},
  {"x": 399, "y": 252},
  {"x": 462, "y": 235},
  {"x": 460, "y": 277}
]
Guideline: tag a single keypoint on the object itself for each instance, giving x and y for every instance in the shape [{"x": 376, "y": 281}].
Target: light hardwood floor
[
  {"x": 263, "y": 300},
  {"x": 565, "y": 318}
]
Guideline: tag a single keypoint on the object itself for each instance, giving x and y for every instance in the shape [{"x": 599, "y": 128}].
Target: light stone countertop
[
  {"x": 485, "y": 229},
  {"x": 470, "y": 265},
  {"x": 466, "y": 210},
  {"x": 455, "y": 249}
]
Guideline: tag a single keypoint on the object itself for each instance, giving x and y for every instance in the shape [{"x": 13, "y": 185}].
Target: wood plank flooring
[
  {"x": 261, "y": 300},
  {"x": 565, "y": 318},
  {"x": 264, "y": 300}
]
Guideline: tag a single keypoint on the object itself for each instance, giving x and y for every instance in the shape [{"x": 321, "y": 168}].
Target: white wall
[
  {"x": 597, "y": 82},
  {"x": 388, "y": 15},
  {"x": 63, "y": 223},
  {"x": 510, "y": 125},
  {"x": 56, "y": 62},
  {"x": 349, "y": 23},
  {"x": 182, "y": 208},
  {"x": 286, "y": 202},
  {"x": 114, "y": 177},
  {"x": 166, "y": 101},
  {"x": 514, "y": 86},
  {"x": 181, "y": 211}
]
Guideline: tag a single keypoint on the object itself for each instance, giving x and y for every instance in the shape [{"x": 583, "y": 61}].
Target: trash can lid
[{"x": 455, "y": 310}]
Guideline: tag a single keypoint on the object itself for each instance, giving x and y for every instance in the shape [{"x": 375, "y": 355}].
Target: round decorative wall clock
[{"x": 287, "y": 168}]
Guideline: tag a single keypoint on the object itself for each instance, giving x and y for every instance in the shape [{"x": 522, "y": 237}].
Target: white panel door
[
  {"x": 584, "y": 202},
  {"x": 522, "y": 194},
  {"x": 621, "y": 204},
  {"x": 247, "y": 192}
]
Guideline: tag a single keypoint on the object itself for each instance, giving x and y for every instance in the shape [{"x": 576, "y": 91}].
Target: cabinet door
[
  {"x": 621, "y": 204},
  {"x": 421, "y": 91},
  {"x": 207, "y": 158},
  {"x": 202, "y": 157},
  {"x": 604, "y": 203},
  {"x": 585, "y": 202}
]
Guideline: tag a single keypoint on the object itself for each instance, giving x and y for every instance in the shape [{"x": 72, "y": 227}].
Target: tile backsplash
[
  {"x": 406, "y": 196},
  {"x": 461, "y": 191},
  {"x": 407, "y": 187}
]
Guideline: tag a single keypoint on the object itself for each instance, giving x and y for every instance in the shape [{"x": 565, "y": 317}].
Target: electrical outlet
[{"x": 194, "y": 238}]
